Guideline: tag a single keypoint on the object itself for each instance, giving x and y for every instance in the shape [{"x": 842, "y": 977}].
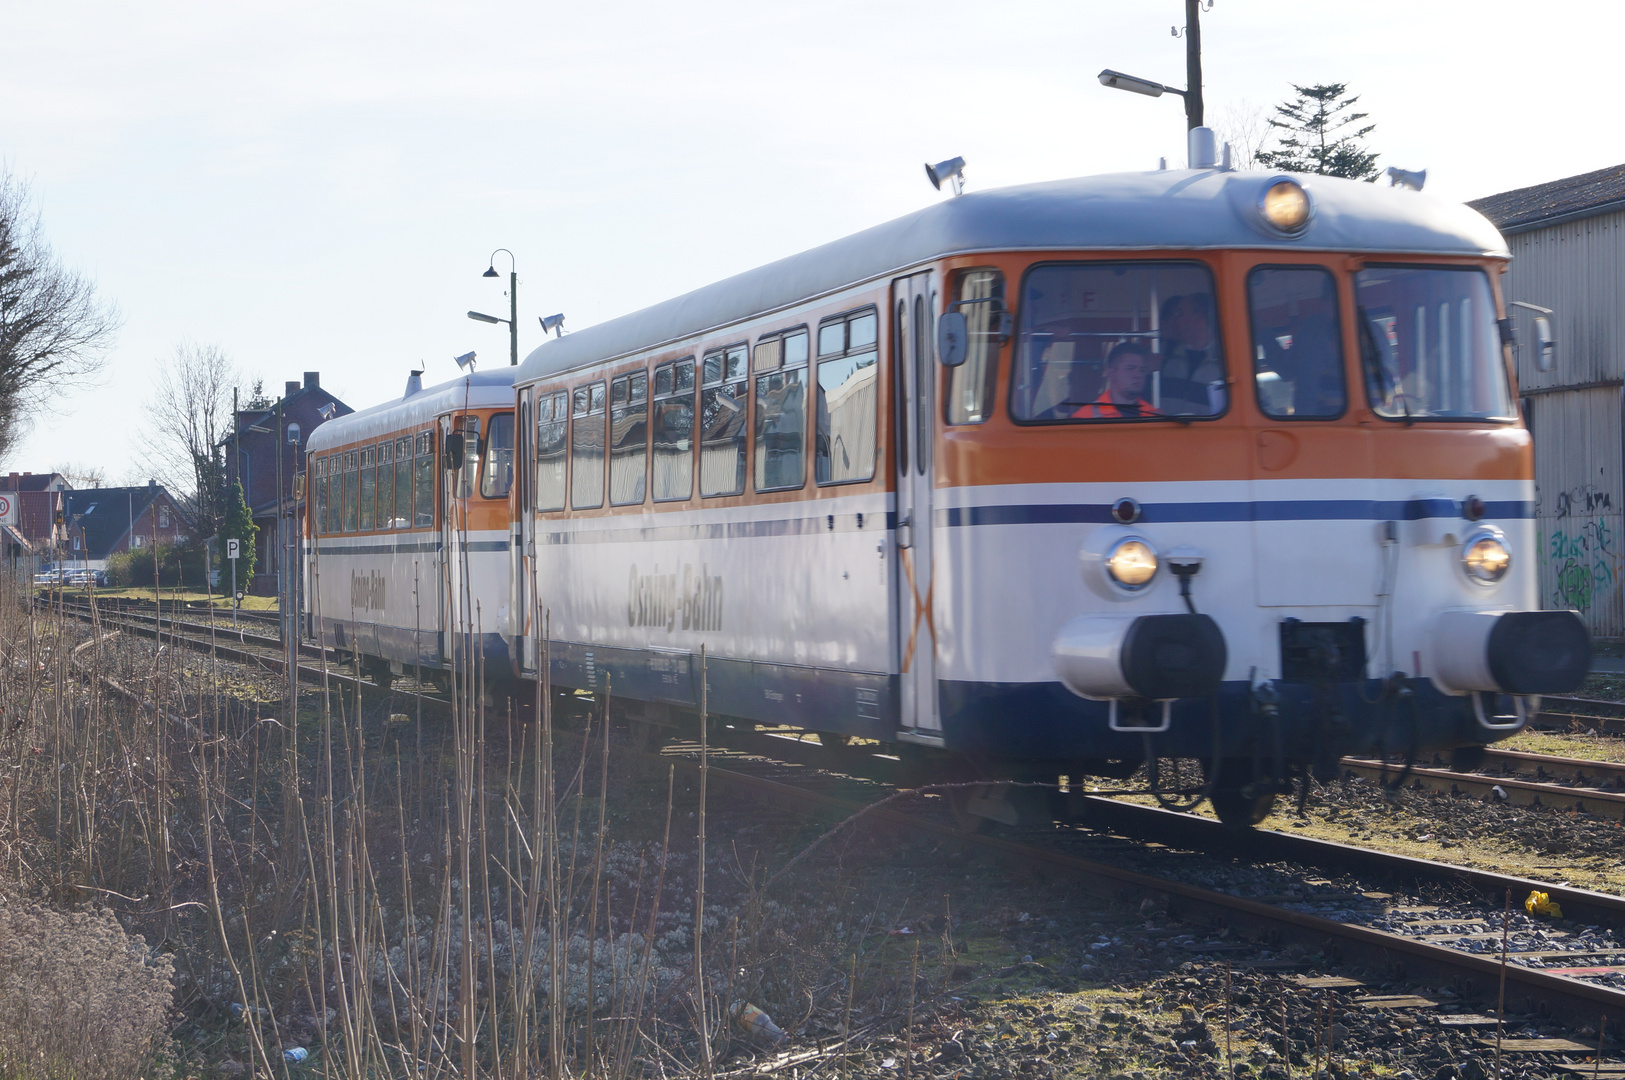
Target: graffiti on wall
[{"x": 1581, "y": 548}]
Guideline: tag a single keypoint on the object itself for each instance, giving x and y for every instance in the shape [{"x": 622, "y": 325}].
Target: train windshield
[
  {"x": 1429, "y": 344},
  {"x": 1113, "y": 341}
]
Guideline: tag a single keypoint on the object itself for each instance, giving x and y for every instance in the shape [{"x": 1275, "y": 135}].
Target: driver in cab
[{"x": 1121, "y": 396}]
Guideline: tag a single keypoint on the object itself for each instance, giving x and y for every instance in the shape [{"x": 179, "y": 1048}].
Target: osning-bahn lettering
[
  {"x": 665, "y": 599},
  {"x": 367, "y": 590}
]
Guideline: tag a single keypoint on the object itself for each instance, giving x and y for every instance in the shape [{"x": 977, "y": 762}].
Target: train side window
[
  {"x": 673, "y": 430},
  {"x": 1117, "y": 341},
  {"x": 318, "y": 505},
  {"x": 980, "y": 299},
  {"x": 498, "y": 475},
  {"x": 844, "y": 442},
  {"x": 424, "y": 471},
  {"x": 628, "y": 439},
  {"x": 552, "y": 432},
  {"x": 1297, "y": 342},
  {"x": 386, "y": 484},
  {"x": 469, "y": 425},
  {"x": 780, "y": 367},
  {"x": 722, "y": 422},
  {"x": 403, "y": 484},
  {"x": 350, "y": 477},
  {"x": 587, "y": 447},
  {"x": 368, "y": 490}
]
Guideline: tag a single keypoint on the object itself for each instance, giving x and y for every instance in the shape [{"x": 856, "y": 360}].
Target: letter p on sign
[{"x": 231, "y": 548}]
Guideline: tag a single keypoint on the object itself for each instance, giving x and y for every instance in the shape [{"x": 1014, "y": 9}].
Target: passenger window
[
  {"x": 552, "y": 428},
  {"x": 403, "y": 483},
  {"x": 386, "y": 484},
  {"x": 587, "y": 447},
  {"x": 469, "y": 425},
  {"x": 844, "y": 443},
  {"x": 722, "y": 422},
  {"x": 674, "y": 430},
  {"x": 498, "y": 475},
  {"x": 1117, "y": 341},
  {"x": 318, "y": 505},
  {"x": 1297, "y": 342},
  {"x": 629, "y": 438},
  {"x": 970, "y": 385},
  {"x": 780, "y": 366},
  {"x": 423, "y": 482},
  {"x": 368, "y": 490},
  {"x": 350, "y": 502}
]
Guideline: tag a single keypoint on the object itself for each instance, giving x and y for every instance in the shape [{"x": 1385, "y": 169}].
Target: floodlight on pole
[
  {"x": 480, "y": 317},
  {"x": 553, "y": 324},
  {"x": 1118, "y": 81}
]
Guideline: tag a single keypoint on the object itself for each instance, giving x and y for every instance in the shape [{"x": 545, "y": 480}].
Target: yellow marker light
[
  {"x": 1486, "y": 558},
  {"x": 1285, "y": 206},
  {"x": 1132, "y": 564}
]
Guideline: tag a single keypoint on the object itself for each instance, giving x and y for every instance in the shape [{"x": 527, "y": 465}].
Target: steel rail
[{"x": 1523, "y": 792}]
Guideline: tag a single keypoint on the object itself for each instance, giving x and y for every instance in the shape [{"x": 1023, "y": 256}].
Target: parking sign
[{"x": 231, "y": 548}]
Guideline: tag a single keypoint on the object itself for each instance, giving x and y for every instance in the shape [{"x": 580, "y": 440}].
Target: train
[{"x": 1054, "y": 480}]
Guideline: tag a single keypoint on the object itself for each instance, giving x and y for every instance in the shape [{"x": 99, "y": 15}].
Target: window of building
[
  {"x": 587, "y": 447},
  {"x": 386, "y": 484},
  {"x": 423, "y": 468},
  {"x": 350, "y": 480},
  {"x": 403, "y": 484},
  {"x": 779, "y": 365},
  {"x": 673, "y": 430},
  {"x": 1297, "y": 342},
  {"x": 844, "y": 445},
  {"x": 970, "y": 385},
  {"x": 469, "y": 425},
  {"x": 368, "y": 488},
  {"x": 1117, "y": 342},
  {"x": 722, "y": 422},
  {"x": 628, "y": 438},
  {"x": 138, "y": 541},
  {"x": 498, "y": 475},
  {"x": 1429, "y": 344},
  {"x": 163, "y": 517},
  {"x": 552, "y": 432}
]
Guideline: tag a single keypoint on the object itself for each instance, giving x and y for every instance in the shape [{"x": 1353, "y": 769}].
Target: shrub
[
  {"x": 78, "y": 996},
  {"x": 176, "y": 564}
]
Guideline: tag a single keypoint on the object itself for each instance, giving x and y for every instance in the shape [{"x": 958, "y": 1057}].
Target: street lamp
[
  {"x": 513, "y": 304},
  {"x": 1192, "y": 32}
]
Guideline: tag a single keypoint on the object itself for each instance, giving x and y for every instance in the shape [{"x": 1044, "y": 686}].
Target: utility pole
[
  {"x": 513, "y": 317},
  {"x": 1193, "y": 63}
]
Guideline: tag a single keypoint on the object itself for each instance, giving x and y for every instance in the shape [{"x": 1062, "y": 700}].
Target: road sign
[
  {"x": 231, "y": 548},
  {"x": 8, "y": 509}
]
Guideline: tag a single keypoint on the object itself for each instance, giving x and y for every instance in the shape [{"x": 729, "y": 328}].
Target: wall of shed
[{"x": 1578, "y": 269}]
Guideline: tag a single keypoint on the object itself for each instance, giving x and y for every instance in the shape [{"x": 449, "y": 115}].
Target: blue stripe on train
[{"x": 1260, "y": 510}]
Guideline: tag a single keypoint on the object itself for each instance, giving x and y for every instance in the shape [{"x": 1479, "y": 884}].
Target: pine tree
[
  {"x": 1311, "y": 142},
  {"x": 239, "y": 525}
]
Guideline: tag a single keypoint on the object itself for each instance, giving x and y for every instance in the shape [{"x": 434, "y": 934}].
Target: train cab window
[
  {"x": 628, "y": 438},
  {"x": 469, "y": 425},
  {"x": 587, "y": 447},
  {"x": 403, "y": 484},
  {"x": 318, "y": 497},
  {"x": 498, "y": 475},
  {"x": 368, "y": 490},
  {"x": 1429, "y": 345},
  {"x": 386, "y": 484},
  {"x": 980, "y": 298},
  {"x": 779, "y": 364},
  {"x": 673, "y": 430},
  {"x": 722, "y": 422},
  {"x": 1117, "y": 342},
  {"x": 1297, "y": 342},
  {"x": 844, "y": 440},
  {"x": 423, "y": 472},
  {"x": 350, "y": 502},
  {"x": 552, "y": 431}
]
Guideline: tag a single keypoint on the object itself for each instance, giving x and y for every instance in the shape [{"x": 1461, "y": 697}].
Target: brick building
[
  {"x": 40, "y": 503},
  {"x": 100, "y": 522}
]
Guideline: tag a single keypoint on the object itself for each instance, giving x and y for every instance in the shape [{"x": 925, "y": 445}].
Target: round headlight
[
  {"x": 1132, "y": 563},
  {"x": 1486, "y": 558},
  {"x": 1285, "y": 206}
]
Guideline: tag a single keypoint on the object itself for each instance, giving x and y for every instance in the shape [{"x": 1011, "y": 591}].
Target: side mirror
[
  {"x": 1545, "y": 344},
  {"x": 953, "y": 339},
  {"x": 454, "y": 451}
]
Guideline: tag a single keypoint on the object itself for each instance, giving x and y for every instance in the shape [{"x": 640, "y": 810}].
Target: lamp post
[
  {"x": 513, "y": 304},
  {"x": 1193, "y": 69}
]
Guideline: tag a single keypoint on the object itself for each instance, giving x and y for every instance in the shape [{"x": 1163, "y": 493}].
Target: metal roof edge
[{"x": 1610, "y": 207}]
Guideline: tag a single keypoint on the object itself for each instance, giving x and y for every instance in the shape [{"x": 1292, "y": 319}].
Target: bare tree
[
  {"x": 190, "y": 416},
  {"x": 54, "y": 329},
  {"x": 80, "y": 474},
  {"x": 1246, "y": 127}
]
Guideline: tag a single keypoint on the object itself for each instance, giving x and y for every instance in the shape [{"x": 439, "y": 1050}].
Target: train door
[
  {"x": 522, "y": 536},
  {"x": 449, "y": 627},
  {"x": 913, "y": 423}
]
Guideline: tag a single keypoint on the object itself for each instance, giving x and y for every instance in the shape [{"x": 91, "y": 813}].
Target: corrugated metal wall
[{"x": 1574, "y": 411}]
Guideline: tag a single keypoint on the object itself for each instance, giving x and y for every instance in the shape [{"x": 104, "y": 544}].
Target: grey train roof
[
  {"x": 1192, "y": 210},
  {"x": 482, "y": 389}
]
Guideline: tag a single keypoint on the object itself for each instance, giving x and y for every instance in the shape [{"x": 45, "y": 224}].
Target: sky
[{"x": 319, "y": 186}]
